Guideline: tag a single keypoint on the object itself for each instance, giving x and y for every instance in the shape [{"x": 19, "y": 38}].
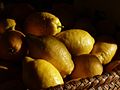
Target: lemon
[
  {"x": 42, "y": 74},
  {"x": 77, "y": 41},
  {"x": 42, "y": 23},
  {"x": 52, "y": 50},
  {"x": 12, "y": 45},
  {"x": 11, "y": 23},
  {"x": 105, "y": 49},
  {"x": 86, "y": 66},
  {"x": 7, "y": 24}
]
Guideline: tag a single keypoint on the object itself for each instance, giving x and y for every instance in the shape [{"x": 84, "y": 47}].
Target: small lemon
[
  {"x": 11, "y": 23},
  {"x": 7, "y": 24}
]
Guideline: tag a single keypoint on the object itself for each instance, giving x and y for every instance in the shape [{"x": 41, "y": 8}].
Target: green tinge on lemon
[{"x": 43, "y": 23}]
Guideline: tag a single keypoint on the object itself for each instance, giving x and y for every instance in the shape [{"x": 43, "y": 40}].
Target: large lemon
[
  {"x": 40, "y": 73},
  {"x": 42, "y": 23},
  {"x": 77, "y": 41},
  {"x": 52, "y": 50}
]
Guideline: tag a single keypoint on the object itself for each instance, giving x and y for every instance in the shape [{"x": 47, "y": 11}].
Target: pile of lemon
[{"x": 49, "y": 54}]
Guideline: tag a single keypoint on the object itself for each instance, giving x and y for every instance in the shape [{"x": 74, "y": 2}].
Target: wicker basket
[{"x": 106, "y": 81}]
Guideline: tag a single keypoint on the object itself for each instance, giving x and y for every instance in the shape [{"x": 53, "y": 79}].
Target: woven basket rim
[{"x": 108, "y": 80}]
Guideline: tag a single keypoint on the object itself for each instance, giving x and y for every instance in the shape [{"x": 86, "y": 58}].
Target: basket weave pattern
[{"x": 107, "y": 81}]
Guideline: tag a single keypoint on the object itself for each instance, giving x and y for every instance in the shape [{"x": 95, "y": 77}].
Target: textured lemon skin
[
  {"x": 77, "y": 41},
  {"x": 86, "y": 66},
  {"x": 40, "y": 74},
  {"x": 47, "y": 73},
  {"x": 52, "y": 50},
  {"x": 42, "y": 23},
  {"x": 104, "y": 51}
]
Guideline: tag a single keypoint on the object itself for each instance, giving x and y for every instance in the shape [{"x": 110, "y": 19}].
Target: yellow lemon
[
  {"x": 11, "y": 23},
  {"x": 52, "y": 50},
  {"x": 105, "y": 49},
  {"x": 77, "y": 41},
  {"x": 86, "y": 66},
  {"x": 42, "y": 23},
  {"x": 40, "y": 73},
  {"x": 7, "y": 24}
]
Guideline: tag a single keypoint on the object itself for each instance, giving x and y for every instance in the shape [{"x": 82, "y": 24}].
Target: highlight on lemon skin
[
  {"x": 39, "y": 73},
  {"x": 42, "y": 23},
  {"x": 11, "y": 23},
  {"x": 7, "y": 24},
  {"x": 86, "y": 65},
  {"x": 77, "y": 41},
  {"x": 105, "y": 48},
  {"x": 12, "y": 45},
  {"x": 52, "y": 50}
]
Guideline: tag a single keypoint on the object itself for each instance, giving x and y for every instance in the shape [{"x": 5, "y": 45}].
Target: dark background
[
  {"x": 103, "y": 15},
  {"x": 39, "y": 4}
]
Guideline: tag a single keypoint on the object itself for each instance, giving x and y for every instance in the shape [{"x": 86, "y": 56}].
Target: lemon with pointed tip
[
  {"x": 11, "y": 23},
  {"x": 7, "y": 24},
  {"x": 42, "y": 74},
  {"x": 42, "y": 23},
  {"x": 105, "y": 49},
  {"x": 52, "y": 50},
  {"x": 77, "y": 41}
]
